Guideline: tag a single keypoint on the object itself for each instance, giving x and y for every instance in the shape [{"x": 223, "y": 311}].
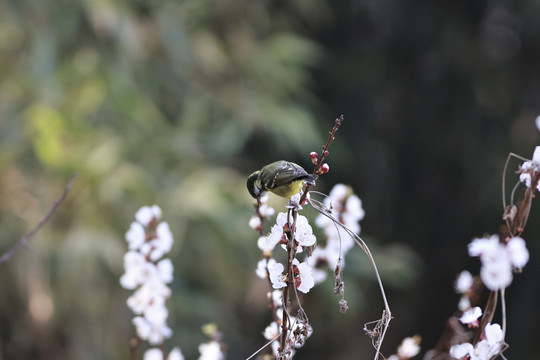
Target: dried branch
[{"x": 24, "y": 240}]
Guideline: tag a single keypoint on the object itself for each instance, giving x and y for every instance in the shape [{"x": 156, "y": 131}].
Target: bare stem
[
  {"x": 24, "y": 240},
  {"x": 135, "y": 344},
  {"x": 324, "y": 153},
  {"x": 291, "y": 252}
]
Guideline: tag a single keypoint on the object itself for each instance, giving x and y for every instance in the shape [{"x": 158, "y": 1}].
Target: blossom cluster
[
  {"x": 490, "y": 345},
  {"x": 346, "y": 207},
  {"x": 304, "y": 237},
  {"x": 148, "y": 274},
  {"x": 529, "y": 168},
  {"x": 343, "y": 206},
  {"x": 498, "y": 259}
]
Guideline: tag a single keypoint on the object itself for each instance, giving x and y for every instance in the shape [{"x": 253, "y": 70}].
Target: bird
[{"x": 283, "y": 178}]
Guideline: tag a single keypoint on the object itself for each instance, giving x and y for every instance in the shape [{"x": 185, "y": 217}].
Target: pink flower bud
[
  {"x": 314, "y": 157},
  {"x": 324, "y": 169}
]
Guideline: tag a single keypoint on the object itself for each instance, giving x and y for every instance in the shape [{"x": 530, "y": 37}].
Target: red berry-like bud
[
  {"x": 324, "y": 168},
  {"x": 314, "y": 157},
  {"x": 326, "y": 152}
]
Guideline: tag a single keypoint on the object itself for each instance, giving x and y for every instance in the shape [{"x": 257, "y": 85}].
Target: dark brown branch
[
  {"x": 324, "y": 153},
  {"x": 24, "y": 240}
]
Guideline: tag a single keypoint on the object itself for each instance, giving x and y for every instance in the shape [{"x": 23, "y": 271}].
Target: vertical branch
[
  {"x": 291, "y": 254},
  {"x": 135, "y": 345}
]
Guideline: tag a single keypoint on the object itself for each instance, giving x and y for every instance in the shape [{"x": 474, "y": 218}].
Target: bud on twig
[
  {"x": 323, "y": 169},
  {"x": 314, "y": 157}
]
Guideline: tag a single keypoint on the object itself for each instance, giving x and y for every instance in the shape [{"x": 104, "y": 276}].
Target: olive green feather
[{"x": 282, "y": 178}]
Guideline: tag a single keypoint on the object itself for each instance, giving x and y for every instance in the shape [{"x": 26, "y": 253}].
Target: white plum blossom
[
  {"x": 276, "y": 275},
  {"x": 496, "y": 275},
  {"x": 165, "y": 270},
  {"x": 146, "y": 214},
  {"x": 317, "y": 256},
  {"x": 271, "y": 331},
  {"x": 135, "y": 236},
  {"x": 282, "y": 219},
  {"x": 133, "y": 266},
  {"x": 464, "y": 282},
  {"x": 304, "y": 232},
  {"x": 211, "y": 351},
  {"x": 276, "y": 297},
  {"x": 261, "y": 268},
  {"x": 265, "y": 211},
  {"x": 463, "y": 285},
  {"x": 409, "y": 347},
  {"x": 267, "y": 243},
  {"x": 294, "y": 202},
  {"x": 470, "y": 316},
  {"x": 480, "y": 246},
  {"x": 147, "y": 273},
  {"x": 529, "y": 167},
  {"x": 485, "y": 349},
  {"x": 153, "y": 354},
  {"x": 346, "y": 208},
  {"x": 175, "y": 354},
  {"x": 519, "y": 255},
  {"x": 142, "y": 327},
  {"x": 255, "y": 222},
  {"x": 498, "y": 259},
  {"x": 304, "y": 281},
  {"x": 265, "y": 263}
]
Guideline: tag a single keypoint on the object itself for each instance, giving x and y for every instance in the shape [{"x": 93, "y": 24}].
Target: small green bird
[{"x": 283, "y": 178}]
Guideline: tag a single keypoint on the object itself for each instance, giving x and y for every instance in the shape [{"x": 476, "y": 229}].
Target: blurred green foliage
[{"x": 175, "y": 102}]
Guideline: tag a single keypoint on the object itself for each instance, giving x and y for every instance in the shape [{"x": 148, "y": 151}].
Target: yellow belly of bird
[{"x": 288, "y": 190}]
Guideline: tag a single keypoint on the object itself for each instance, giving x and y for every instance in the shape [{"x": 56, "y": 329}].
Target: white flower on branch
[
  {"x": 276, "y": 275},
  {"x": 304, "y": 280},
  {"x": 484, "y": 349},
  {"x": 470, "y": 316},
  {"x": 157, "y": 354},
  {"x": 519, "y": 255},
  {"x": 135, "y": 236},
  {"x": 304, "y": 232},
  {"x": 255, "y": 223},
  {"x": 267, "y": 243},
  {"x": 409, "y": 347},
  {"x": 529, "y": 167},
  {"x": 464, "y": 282},
  {"x": 347, "y": 208},
  {"x": 211, "y": 351},
  {"x": 146, "y": 273},
  {"x": 146, "y": 214},
  {"x": 498, "y": 259}
]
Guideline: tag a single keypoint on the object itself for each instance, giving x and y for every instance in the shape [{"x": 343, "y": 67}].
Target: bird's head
[{"x": 254, "y": 185}]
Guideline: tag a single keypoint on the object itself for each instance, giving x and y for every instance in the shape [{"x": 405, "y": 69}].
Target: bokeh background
[{"x": 175, "y": 102}]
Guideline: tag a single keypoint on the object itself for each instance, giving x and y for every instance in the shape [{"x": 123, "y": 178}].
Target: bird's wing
[{"x": 287, "y": 173}]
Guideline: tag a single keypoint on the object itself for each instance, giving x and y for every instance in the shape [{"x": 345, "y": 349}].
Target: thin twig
[
  {"x": 24, "y": 240},
  {"x": 264, "y": 346},
  {"x": 324, "y": 153},
  {"x": 387, "y": 315}
]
